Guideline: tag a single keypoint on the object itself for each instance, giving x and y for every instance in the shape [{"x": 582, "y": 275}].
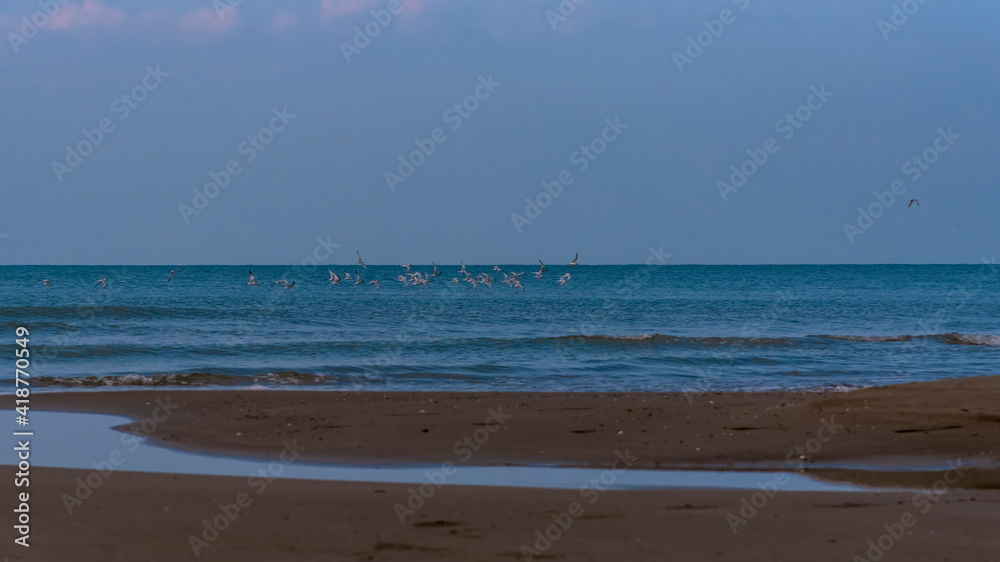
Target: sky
[{"x": 716, "y": 131}]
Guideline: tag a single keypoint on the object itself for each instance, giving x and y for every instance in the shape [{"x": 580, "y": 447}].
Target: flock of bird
[
  {"x": 414, "y": 278},
  {"x": 422, "y": 279}
]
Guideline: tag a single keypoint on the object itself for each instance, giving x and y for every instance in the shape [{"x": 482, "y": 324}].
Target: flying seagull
[
  {"x": 573, "y": 263},
  {"x": 377, "y": 284},
  {"x": 46, "y": 282},
  {"x": 253, "y": 279},
  {"x": 361, "y": 262},
  {"x": 103, "y": 282},
  {"x": 565, "y": 279},
  {"x": 912, "y": 201},
  {"x": 436, "y": 272},
  {"x": 289, "y": 285},
  {"x": 172, "y": 273}
]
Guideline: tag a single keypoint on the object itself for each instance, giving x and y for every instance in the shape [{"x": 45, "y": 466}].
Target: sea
[{"x": 609, "y": 328}]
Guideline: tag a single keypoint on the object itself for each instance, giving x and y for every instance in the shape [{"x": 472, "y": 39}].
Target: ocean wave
[
  {"x": 265, "y": 380},
  {"x": 281, "y": 378},
  {"x": 676, "y": 340},
  {"x": 951, "y": 338}
]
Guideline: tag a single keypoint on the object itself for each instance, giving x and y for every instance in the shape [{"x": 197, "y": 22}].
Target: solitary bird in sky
[
  {"x": 361, "y": 262},
  {"x": 172, "y": 273},
  {"x": 103, "y": 283},
  {"x": 573, "y": 263},
  {"x": 912, "y": 201}
]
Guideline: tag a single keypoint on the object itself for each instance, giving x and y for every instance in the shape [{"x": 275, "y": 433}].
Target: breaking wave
[
  {"x": 677, "y": 340},
  {"x": 949, "y": 338},
  {"x": 282, "y": 378}
]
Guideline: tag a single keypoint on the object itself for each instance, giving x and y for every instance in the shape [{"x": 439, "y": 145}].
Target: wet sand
[
  {"x": 950, "y": 419},
  {"x": 135, "y": 516}
]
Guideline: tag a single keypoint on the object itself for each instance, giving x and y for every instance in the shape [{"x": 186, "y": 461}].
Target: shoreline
[{"x": 946, "y": 419}]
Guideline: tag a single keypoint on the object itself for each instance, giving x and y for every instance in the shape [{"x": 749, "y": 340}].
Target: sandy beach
[
  {"x": 154, "y": 517},
  {"x": 945, "y": 419}
]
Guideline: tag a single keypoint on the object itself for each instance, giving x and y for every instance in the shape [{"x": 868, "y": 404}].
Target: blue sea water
[{"x": 610, "y": 328}]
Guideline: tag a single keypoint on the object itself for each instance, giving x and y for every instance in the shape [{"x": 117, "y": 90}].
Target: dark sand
[
  {"x": 943, "y": 419},
  {"x": 140, "y": 517},
  {"x": 150, "y": 517}
]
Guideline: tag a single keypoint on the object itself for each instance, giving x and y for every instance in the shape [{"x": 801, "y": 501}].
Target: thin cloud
[
  {"x": 283, "y": 20},
  {"x": 334, "y": 9},
  {"x": 90, "y": 13}
]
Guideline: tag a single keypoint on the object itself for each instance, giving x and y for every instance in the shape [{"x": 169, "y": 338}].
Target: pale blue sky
[{"x": 655, "y": 184}]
